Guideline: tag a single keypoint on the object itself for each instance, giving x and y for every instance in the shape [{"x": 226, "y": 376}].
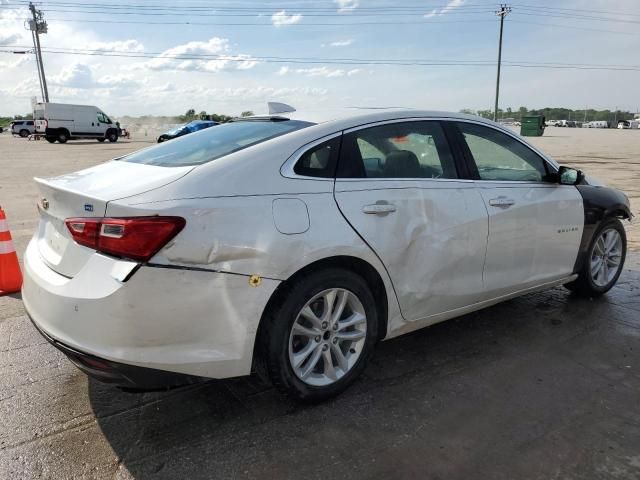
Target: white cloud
[
  {"x": 216, "y": 47},
  {"x": 9, "y": 39},
  {"x": 74, "y": 76},
  {"x": 117, "y": 46},
  {"x": 346, "y": 5},
  {"x": 452, "y": 5},
  {"x": 17, "y": 63},
  {"x": 320, "y": 72},
  {"x": 341, "y": 43},
  {"x": 80, "y": 76},
  {"x": 282, "y": 18}
]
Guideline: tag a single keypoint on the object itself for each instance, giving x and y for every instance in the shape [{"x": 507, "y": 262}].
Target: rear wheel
[
  {"x": 24, "y": 133},
  {"x": 604, "y": 261},
  {"x": 112, "y": 136},
  {"x": 318, "y": 339},
  {"x": 63, "y": 136}
]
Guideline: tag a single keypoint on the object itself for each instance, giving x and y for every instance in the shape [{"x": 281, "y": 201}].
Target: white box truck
[{"x": 61, "y": 122}]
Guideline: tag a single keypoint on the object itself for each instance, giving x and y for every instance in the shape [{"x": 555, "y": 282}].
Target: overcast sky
[{"x": 559, "y": 31}]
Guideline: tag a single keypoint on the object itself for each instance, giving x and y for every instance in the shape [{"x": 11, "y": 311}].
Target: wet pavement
[{"x": 540, "y": 387}]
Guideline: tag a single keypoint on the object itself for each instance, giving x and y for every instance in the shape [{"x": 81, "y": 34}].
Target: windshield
[
  {"x": 173, "y": 131},
  {"x": 212, "y": 143}
]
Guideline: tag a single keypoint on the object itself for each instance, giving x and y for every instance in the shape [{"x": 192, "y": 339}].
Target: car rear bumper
[
  {"x": 121, "y": 374},
  {"x": 179, "y": 320}
]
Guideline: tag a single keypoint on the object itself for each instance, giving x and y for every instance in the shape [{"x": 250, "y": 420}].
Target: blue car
[{"x": 190, "y": 127}]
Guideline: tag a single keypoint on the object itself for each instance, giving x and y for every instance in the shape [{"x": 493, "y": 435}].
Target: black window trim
[
  {"x": 470, "y": 164},
  {"x": 457, "y": 145}
]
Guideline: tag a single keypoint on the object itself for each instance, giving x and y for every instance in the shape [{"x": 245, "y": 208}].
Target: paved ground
[{"x": 545, "y": 386}]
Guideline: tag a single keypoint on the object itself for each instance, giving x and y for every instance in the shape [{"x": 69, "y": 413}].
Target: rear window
[{"x": 212, "y": 143}]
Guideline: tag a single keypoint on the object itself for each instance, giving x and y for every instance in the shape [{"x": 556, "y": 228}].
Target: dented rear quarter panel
[{"x": 238, "y": 234}]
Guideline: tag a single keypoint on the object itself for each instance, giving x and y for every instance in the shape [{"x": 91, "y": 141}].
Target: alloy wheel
[
  {"x": 606, "y": 257},
  {"x": 327, "y": 337}
]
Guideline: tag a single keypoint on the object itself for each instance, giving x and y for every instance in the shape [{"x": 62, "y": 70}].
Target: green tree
[
  {"x": 247, "y": 113},
  {"x": 522, "y": 111}
]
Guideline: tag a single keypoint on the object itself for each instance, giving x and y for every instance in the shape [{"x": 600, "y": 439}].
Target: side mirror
[{"x": 569, "y": 176}]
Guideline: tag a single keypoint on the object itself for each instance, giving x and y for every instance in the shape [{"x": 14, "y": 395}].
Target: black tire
[
  {"x": 24, "y": 133},
  {"x": 112, "y": 136},
  {"x": 50, "y": 139},
  {"x": 584, "y": 285},
  {"x": 100, "y": 139},
  {"x": 63, "y": 136},
  {"x": 273, "y": 343},
  {"x": 161, "y": 139}
]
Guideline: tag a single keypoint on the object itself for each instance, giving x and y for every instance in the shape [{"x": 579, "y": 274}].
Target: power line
[
  {"x": 264, "y": 24},
  {"x": 330, "y": 61}
]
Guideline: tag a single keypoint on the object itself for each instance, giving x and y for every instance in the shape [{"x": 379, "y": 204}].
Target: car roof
[
  {"x": 364, "y": 115},
  {"x": 201, "y": 121}
]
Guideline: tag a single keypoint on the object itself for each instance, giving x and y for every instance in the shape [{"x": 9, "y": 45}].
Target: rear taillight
[{"x": 137, "y": 238}]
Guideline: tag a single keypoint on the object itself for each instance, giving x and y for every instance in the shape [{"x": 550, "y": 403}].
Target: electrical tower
[
  {"x": 38, "y": 26},
  {"x": 503, "y": 12}
]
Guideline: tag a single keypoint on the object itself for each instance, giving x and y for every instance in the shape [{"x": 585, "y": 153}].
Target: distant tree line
[
  {"x": 5, "y": 121},
  {"x": 191, "y": 115},
  {"x": 587, "y": 115}
]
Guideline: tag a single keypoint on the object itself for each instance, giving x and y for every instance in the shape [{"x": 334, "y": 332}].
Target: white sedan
[{"x": 291, "y": 245}]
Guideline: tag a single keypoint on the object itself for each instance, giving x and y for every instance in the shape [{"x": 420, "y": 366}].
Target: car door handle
[
  {"x": 502, "y": 202},
  {"x": 381, "y": 207}
]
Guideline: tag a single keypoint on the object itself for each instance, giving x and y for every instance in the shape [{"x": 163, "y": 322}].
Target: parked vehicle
[
  {"x": 596, "y": 124},
  {"x": 182, "y": 130},
  {"x": 293, "y": 243},
  {"x": 62, "y": 122},
  {"x": 551, "y": 123},
  {"x": 628, "y": 124},
  {"x": 24, "y": 128}
]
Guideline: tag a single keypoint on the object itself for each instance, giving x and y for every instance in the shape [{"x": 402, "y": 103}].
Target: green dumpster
[{"x": 532, "y": 126}]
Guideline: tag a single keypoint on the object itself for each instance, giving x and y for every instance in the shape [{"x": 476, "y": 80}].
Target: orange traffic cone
[{"x": 10, "y": 276}]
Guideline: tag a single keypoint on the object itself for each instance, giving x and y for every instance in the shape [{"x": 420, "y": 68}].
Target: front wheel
[
  {"x": 24, "y": 133},
  {"x": 317, "y": 341},
  {"x": 604, "y": 260},
  {"x": 112, "y": 137}
]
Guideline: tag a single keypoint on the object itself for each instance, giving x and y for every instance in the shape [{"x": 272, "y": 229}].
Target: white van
[
  {"x": 62, "y": 122},
  {"x": 596, "y": 124}
]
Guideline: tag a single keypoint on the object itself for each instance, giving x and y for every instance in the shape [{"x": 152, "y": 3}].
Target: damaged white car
[{"x": 292, "y": 244}]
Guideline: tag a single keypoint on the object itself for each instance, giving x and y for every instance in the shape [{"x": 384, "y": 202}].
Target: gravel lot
[{"x": 545, "y": 386}]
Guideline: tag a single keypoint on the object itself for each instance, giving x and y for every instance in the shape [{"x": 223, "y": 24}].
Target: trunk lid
[{"x": 86, "y": 194}]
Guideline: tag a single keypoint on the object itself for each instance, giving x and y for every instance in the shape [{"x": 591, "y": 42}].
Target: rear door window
[
  {"x": 212, "y": 143},
  {"x": 397, "y": 150}
]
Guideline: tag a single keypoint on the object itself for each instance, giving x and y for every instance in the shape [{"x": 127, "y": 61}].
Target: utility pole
[
  {"x": 503, "y": 12},
  {"x": 38, "y": 26},
  {"x": 33, "y": 37}
]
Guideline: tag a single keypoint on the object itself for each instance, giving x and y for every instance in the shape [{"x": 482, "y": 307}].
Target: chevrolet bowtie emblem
[{"x": 45, "y": 204}]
